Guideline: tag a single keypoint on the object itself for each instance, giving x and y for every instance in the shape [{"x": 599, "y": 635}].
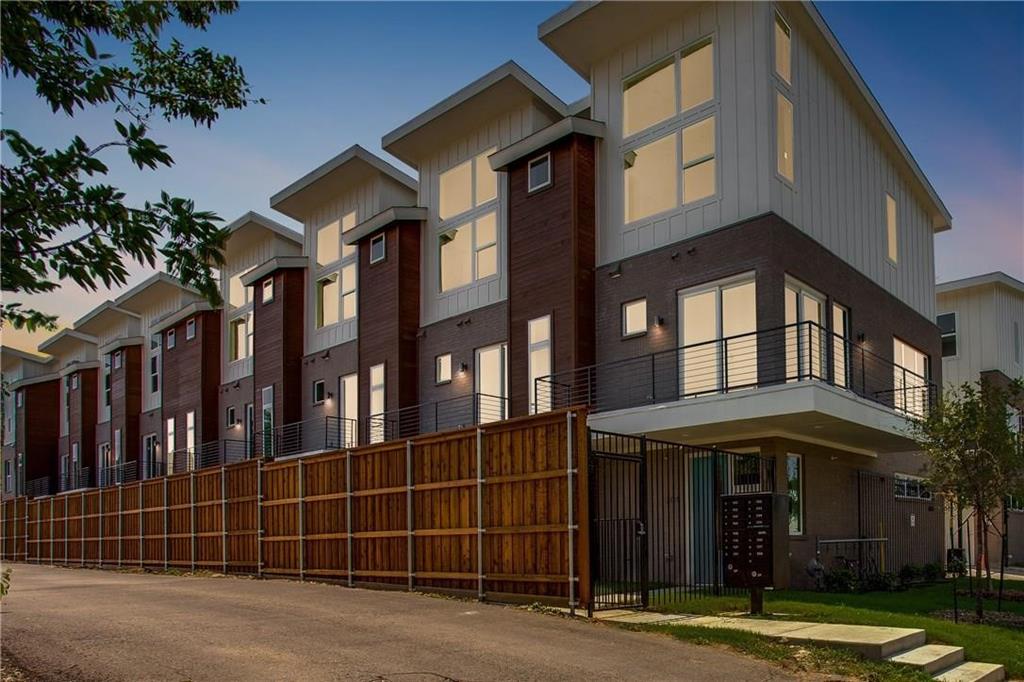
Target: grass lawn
[{"x": 910, "y": 609}]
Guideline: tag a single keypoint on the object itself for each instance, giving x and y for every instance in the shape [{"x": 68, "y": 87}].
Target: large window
[
  {"x": 154, "y": 363},
  {"x": 806, "y": 343},
  {"x": 377, "y": 404},
  {"x": 657, "y": 94},
  {"x": 239, "y": 337},
  {"x": 795, "y": 487},
  {"x": 443, "y": 369},
  {"x": 348, "y": 390},
  {"x": 468, "y": 185},
  {"x": 634, "y": 317},
  {"x": 891, "y": 228},
  {"x": 492, "y": 382},
  {"x": 469, "y": 252},
  {"x": 947, "y": 327},
  {"x": 190, "y": 438},
  {"x": 783, "y": 50},
  {"x": 539, "y": 334},
  {"x": 784, "y": 136},
  {"x": 327, "y": 301},
  {"x": 910, "y": 379},
  {"x": 348, "y": 291},
  {"x": 716, "y": 323},
  {"x": 328, "y": 243}
]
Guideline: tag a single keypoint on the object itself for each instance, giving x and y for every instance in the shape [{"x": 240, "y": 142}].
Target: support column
[
  {"x": 192, "y": 516},
  {"x": 348, "y": 515},
  {"x": 302, "y": 522},
  {"x": 411, "y": 542},
  {"x": 224, "y": 520},
  {"x": 259, "y": 517},
  {"x": 570, "y": 470},
  {"x": 480, "y": 593}
]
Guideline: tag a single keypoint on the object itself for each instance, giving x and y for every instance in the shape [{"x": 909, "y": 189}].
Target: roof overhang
[
  {"x": 585, "y": 32},
  {"x": 149, "y": 292},
  {"x": 123, "y": 342},
  {"x": 503, "y": 158},
  {"x": 382, "y": 220},
  {"x": 504, "y": 88},
  {"x": 9, "y": 356},
  {"x": 990, "y": 279},
  {"x": 66, "y": 340},
  {"x": 78, "y": 367},
  {"x": 102, "y": 317},
  {"x": 252, "y": 227},
  {"x": 252, "y": 277},
  {"x": 352, "y": 166},
  {"x": 810, "y": 411},
  {"x": 32, "y": 381},
  {"x": 171, "y": 319}
]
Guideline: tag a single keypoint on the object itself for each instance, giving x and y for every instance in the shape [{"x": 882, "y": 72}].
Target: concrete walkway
[{"x": 899, "y": 645}]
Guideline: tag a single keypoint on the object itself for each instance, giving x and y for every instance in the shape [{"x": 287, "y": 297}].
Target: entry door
[
  {"x": 717, "y": 325},
  {"x": 267, "y": 420},
  {"x": 805, "y": 333},
  {"x": 492, "y": 383}
]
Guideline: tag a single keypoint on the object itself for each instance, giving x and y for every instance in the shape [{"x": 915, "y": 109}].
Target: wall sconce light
[
  {"x": 659, "y": 321},
  {"x": 463, "y": 368},
  {"x": 238, "y": 384},
  {"x": 692, "y": 250},
  {"x": 675, "y": 255},
  {"x": 326, "y": 355},
  {"x": 330, "y": 396},
  {"x": 860, "y": 337},
  {"x": 237, "y": 424},
  {"x": 616, "y": 271}
]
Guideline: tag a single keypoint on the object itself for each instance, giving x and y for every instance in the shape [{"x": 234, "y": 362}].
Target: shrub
[
  {"x": 910, "y": 573},
  {"x": 881, "y": 582},
  {"x": 933, "y": 572},
  {"x": 840, "y": 579}
]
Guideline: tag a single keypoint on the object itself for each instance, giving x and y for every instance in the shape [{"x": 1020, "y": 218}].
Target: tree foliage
[{"x": 60, "y": 219}]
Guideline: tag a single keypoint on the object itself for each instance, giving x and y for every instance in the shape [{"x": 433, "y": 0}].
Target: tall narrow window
[
  {"x": 783, "y": 50},
  {"x": 486, "y": 246},
  {"x": 840, "y": 345},
  {"x": 697, "y": 75},
  {"x": 443, "y": 369},
  {"x": 117, "y": 360},
  {"x": 784, "y": 136},
  {"x": 149, "y": 456},
  {"x": 170, "y": 339},
  {"x": 238, "y": 293},
  {"x": 328, "y": 241},
  {"x": 650, "y": 178},
  {"x": 238, "y": 333},
  {"x": 806, "y": 343},
  {"x": 492, "y": 383},
  {"x": 538, "y": 173},
  {"x": 539, "y": 335},
  {"x": 891, "y": 228},
  {"x": 190, "y": 329},
  {"x": 378, "y": 249},
  {"x": 267, "y": 420},
  {"x": 947, "y": 327},
  {"x": 348, "y": 292},
  {"x": 348, "y": 221},
  {"x": 170, "y": 445},
  {"x": 327, "y": 301},
  {"x": 378, "y": 420},
  {"x": 348, "y": 390},
  {"x": 250, "y": 427},
  {"x": 795, "y": 485},
  {"x": 456, "y": 266},
  {"x": 190, "y": 438},
  {"x": 910, "y": 379},
  {"x": 268, "y": 290},
  {"x": 154, "y": 363},
  {"x": 699, "y": 160},
  {"x": 649, "y": 98}
]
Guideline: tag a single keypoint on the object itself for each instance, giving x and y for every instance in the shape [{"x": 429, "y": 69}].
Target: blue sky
[{"x": 335, "y": 74}]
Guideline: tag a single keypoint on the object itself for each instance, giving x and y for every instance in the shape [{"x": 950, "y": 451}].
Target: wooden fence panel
[{"x": 499, "y": 511}]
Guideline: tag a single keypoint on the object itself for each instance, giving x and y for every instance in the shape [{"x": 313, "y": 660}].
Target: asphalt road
[{"x": 81, "y": 624}]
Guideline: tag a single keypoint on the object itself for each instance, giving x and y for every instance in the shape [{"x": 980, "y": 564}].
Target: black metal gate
[{"x": 656, "y": 517}]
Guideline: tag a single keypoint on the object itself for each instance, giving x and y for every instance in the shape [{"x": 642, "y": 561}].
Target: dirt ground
[{"x": 81, "y": 624}]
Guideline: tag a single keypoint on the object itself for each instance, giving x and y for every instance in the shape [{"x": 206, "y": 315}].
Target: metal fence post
[
  {"x": 51, "y": 531},
  {"x": 26, "y": 529},
  {"x": 3, "y": 529},
  {"x": 65, "y": 529},
  {"x": 224, "y": 519},
  {"x": 480, "y": 514},
  {"x": 167, "y": 513},
  {"x": 302, "y": 523},
  {"x": 348, "y": 515},
  {"x": 410, "y": 544},
  {"x": 259, "y": 517},
  {"x": 120, "y": 521},
  {"x": 570, "y": 471},
  {"x": 100, "y": 493},
  {"x": 142, "y": 529},
  {"x": 192, "y": 516},
  {"x": 81, "y": 527}
]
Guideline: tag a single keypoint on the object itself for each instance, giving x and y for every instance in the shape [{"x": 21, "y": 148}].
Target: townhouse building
[
  {"x": 31, "y": 387},
  {"x": 981, "y": 319},
  {"x": 725, "y": 243}
]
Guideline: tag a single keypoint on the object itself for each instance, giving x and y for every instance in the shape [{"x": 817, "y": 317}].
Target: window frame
[
  {"x": 438, "y": 360},
  {"x": 952, "y": 334},
  {"x": 117, "y": 360},
  {"x": 801, "y": 495},
  {"x": 268, "y": 286},
  {"x": 779, "y": 19},
  {"x": 319, "y": 318},
  {"x": 190, "y": 329},
  {"x": 170, "y": 339},
  {"x": 475, "y": 205},
  {"x": 322, "y": 386},
  {"x": 892, "y": 233},
  {"x": 74, "y": 381},
  {"x": 236, "y": 351},
  {"x": 546, "y": 343},
  {"x": 530, "y": 187},
  {"x": 781, "y": 94},
  {"x": 344, "y": 293},
  {"x": 623, "y": 327},
  {"x": 921, "y": 492},
  {"x": 230, "y": 417},
  {"x": 374, "y": 241}
]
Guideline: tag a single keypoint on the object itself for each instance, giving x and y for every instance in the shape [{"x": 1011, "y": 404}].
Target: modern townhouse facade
[
  {"x": 31, "y": 387},
  {"x": 724, "y": 244},
  {"x": 981, "y": 320}
]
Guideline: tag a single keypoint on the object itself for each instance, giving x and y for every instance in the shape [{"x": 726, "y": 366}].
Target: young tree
[
  {"x": 59, "y": 219},
  {"x": 975, "y": 456}
]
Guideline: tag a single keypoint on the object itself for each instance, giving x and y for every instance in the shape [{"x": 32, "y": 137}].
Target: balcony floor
[{"x": 810, "y": 411}]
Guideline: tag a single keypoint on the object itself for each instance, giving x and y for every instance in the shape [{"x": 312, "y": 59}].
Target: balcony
[
  {"x": 75, "y": 479},
  {"x": 798, "y": 380},
  {"x": 442, "y": 415},
  {"x": 38, "y": 487},
  {"x": 209, "y": 454},
  {"x": 118, "y": 474}
]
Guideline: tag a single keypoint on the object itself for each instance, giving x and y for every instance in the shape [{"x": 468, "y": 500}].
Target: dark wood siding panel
[
  {"x": 191, "y": 377},
  {"x": 38, "y": 423},
  {"x": 126, "y": 402},
  {"x": 278, "y": 345}
]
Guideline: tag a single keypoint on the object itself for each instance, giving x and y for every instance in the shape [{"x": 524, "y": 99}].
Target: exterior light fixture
[{"x": 616, "y": 272}]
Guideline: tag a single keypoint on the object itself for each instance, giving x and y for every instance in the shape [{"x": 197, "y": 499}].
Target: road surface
[{"x": 82, "y": 624}]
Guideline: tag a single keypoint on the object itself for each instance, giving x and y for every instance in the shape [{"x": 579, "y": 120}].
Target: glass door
[
  {"x": 492, "y": 383},
  {"x": 805, "y": 346},
  {"x": 267, "y": 420},
  {"x": 717, "y": 328}
]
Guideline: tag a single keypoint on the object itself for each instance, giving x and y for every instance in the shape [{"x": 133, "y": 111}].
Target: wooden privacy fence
[{"x": 494, "y": 511}]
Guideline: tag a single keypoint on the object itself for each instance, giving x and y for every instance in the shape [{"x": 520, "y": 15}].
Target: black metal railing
[
  {"x": 38, "y": 487},
  {"x": 75, "y": 479},
  {"x": 118, "y": 474},
  {"x": 309, "y": 435},
  {"x": 797, "y": 352},
  {"x": 153, "y": 467},
  {"x": 441, "y": 415},
  {"x": 209, "y": 454}
]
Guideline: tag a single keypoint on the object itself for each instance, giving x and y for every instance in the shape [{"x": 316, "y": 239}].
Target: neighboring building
[
  {"x": 981, "y": 320},
  {"x": 725, "y": 243},
  {"x": 30, "y": 386}
]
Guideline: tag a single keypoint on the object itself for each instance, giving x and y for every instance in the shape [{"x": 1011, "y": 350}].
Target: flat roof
[
  {"x": 351, "y": 166},
  {"x": 996, "y": 278},
  {"x": 481, "y": 100},
  {"x": 584, "y": 32}
]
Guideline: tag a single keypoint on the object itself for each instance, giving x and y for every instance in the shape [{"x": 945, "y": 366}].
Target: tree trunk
[{"x": 979, "y": 605}]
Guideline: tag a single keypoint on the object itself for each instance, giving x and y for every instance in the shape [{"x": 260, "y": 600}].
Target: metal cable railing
[
  {"x": 440, "y": 415},
  {"x": 797, "y": 352},
  {"x": 75, "y": 479},
  {"x": 118, "y": 474},
  {"x": 38, "y": 487},
  {"x": 309, "y": 435}
]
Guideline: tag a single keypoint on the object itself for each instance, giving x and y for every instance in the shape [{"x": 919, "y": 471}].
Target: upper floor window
[
  {"x": 154, "y": 363},
  {"x": 634, "y": 317},
  {"x": 468, "y": 185},
  {"x": 328, "y": 243},
  {"x": 238, "y": 293},
  {"x": 319, "y": 391},
  {"x": 947, "y": 327},
  {"x": 268, "y": 290},
  {"x": 891, "y": 228},
  {"x": 377, "y": 249},
  {"x": 190, "y": 329},
  {"x": 327, "y": 301},
  {"x": 348, "y": 221},
  {"x": 19, "y": 398},
  {"x": 170, "y": 339},
  {"x": 783, "y": 50},
  {"x": 74, "y": 382},
  {"x": 539, "y": 173},
  {"x": 239, "y": 336},
  {"x": 657, "y": 93},
  {"x": 443, "y": 368},
  {"x": 539, "y": 337},
  {"x": 348, "y": 291},
  {"x": 469, "y": 252},
  {"x": 784, "y": 136},
  {"x": 117, "y": 360},
  {"x": 912, "y": 487},
  {"x": 911, "y": 389}
]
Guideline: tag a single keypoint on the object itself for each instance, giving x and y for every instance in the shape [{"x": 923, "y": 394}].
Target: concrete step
[
  {"x": 973, "y": 671},
  {"x": 931, "y": 658}
]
